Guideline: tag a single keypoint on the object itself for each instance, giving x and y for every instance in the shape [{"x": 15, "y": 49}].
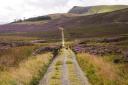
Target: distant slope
[
  {"x": 45, "y": 18},
  {"x": 103, "y": 24},
  {"x": 96, "y": 9}
]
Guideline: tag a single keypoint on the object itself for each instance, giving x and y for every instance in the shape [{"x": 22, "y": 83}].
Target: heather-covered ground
[{"x": 104, "y": 60}]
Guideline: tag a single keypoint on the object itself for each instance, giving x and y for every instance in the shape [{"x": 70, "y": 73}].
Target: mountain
[
  {"x": 97, "y": 25},
  {"x": 96, "y": 9}
]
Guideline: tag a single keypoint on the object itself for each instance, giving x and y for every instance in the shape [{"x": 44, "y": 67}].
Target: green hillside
[{"x": 96, "y": 9}]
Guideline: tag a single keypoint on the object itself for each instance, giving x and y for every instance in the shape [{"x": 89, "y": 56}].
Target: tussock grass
[
  {"x": 99, "y": 71},
  {"x": 28, "y": 73},
  {"x": 13, "y": 56}
]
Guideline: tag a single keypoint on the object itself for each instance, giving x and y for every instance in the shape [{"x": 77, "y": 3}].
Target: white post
[{"x": 62, "y": 34}]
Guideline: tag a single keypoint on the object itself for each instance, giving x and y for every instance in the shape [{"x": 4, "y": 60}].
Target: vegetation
[
  {"x": 29, "y": 71},
  {"x": 13, "y": 56},
  {"x": 59, "y": 63},
  {"x": 102, "y": 70},
  {"x": 98, "y": 25},
  {"x": 16, "y": 38},
  {"x": 56, "y": 77},
  {"x": 96, "y": 9},
  {"x": 19, "y": 67},
  {"x": 103, "y": 9},
  {"x": 69, "y": 62},
  {"x": 39, "y": 18},
  {"x": 73, "y": 77}
]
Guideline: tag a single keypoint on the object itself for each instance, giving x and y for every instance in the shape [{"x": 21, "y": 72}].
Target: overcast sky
[{"x": 16, "y": 9}]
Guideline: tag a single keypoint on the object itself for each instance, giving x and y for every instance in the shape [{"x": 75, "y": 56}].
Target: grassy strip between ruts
[
  {"x": 99, "y": 71},
  {"x": 29, "y": 72}
]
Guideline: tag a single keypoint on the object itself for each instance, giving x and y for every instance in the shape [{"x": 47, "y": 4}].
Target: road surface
[{"x": 64, "y": 70}]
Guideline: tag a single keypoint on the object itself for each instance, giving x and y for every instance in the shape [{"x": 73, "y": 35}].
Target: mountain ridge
[{"x": 96, "y": 9}]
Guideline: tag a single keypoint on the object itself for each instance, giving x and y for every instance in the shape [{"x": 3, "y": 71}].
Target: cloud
[
  {"x": 105, "y": 2},
  {"x": 16, "y": 9},
  {"x": 47, "y": 3}
]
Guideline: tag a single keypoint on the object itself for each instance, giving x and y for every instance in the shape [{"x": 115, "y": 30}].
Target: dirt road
[{"x": 64, "y": 70}]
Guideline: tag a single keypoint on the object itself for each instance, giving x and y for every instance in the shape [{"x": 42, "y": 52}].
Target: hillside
[
  {"x": 75, "y": 11},
  {"x": 96, "y": 9},
  {"x": 44, "y": 19},
  {"x": 103, "y": 24}
]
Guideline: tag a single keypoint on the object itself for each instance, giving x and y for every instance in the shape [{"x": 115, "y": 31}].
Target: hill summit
[{"x": 96, "y": 9}]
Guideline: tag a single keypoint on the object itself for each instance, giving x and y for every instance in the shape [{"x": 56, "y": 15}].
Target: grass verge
[
  {"x": 28, "y": 73},
  {"x": 99, "y": 71}
]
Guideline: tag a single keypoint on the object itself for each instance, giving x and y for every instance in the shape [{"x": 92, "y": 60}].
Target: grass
[
  {"x": 56, "y": 77},
  {"x": 28, "y": 72},
  {"x": 74, "y": 79},
  {"x": 121, "y": 67},
  {"x": 99, "y": 71},
  {"x": 59, "y": 63},
  {"x": 69, "y": 62},
  {"x": 13, "y": 56},
  {"x": 16, "y": 38},
  {"x": 103, "y": 70},
  {"x": 105, "y": 8}
]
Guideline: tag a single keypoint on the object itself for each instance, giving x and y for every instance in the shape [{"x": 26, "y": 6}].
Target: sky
[{"x": 19, "y": 9}]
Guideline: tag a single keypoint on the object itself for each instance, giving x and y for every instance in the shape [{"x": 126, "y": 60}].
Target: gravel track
[{"x": 65, "y": 55}]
